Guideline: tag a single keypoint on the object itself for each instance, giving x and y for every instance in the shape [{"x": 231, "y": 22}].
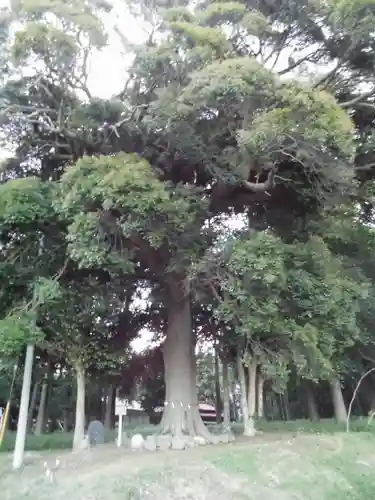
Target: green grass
[
  {"x": 277, "y": 466},
  {"x": 63, "y": 440},
  {"x": 320, "y": 467}
]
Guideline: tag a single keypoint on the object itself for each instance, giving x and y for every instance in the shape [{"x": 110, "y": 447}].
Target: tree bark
[
  {"x": 108, "y": 407},
  {"x": 251, "y": 395},
  {"x": 79, "y": 428},
  {"x": 260, "y": 396},
  {"x": 311, "y": 404},
  {"x": 30, "y": 416},
  {"x": 65, "y": 421},
  {"x": 42, "y": 407},
  {"x": 338, "y": 402},
  {"x": 226, "y": 400},
  {"x": 285, "y": 404},
  {"x": 217, "y": 387},
  {"x": 247, "y": 422},
  {"x": 181, "y": 413}
]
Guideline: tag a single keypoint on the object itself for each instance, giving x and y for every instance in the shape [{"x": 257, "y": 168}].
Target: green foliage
[
  {"x": 16, "y": 331},
  {"x": 291, "y": 303},
  {"x": 46, "y": 42},
  {"x": 217, "y": 13},
  {"x": 74, "y": 14},
  {"x": 24, "y": 201},
  {"x": 46, "y": 291},
  {"x": 120, "y": 196},
  {"x": 201, "y": 35},
  {"x": 229, "y": 84}
]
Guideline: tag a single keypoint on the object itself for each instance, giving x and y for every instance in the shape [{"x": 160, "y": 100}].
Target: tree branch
[
  {"x": 295, "y": 64},
  {"x": 354, "y": 396},
  {"x": 357, "y": 100},
  {"x": 262, "y": 187}
]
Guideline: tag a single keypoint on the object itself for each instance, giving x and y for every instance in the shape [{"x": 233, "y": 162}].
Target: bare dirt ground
[{"x": 274, "y": 467}]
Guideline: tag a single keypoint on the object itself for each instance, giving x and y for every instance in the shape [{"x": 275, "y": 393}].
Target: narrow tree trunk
[
  {"x": 108, "y": 408},
  {"x": 181, "y": 413},
  {"x": 251, "y": 395},
  {"x": 339, "y": 407},
  {"x": 32, "y": 406},
  {"x": 260, "y": 396},
  {"x": 217, "y": 388},
  {"x": 47, "y": 406},
  {"x": 226, "y": 401},
  {"x": 65, "y": 421},
  {"x": 42, "y": 407},
  {"x": 286, "y": 406},
  {"x": 79, "y": 428},
  {"x": 247, "y": 422},
  {"x": 311, "y": 404}
]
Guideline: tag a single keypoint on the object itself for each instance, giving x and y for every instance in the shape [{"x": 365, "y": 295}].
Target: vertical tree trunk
[
  {"x": 286, "y": 406},
  {"x": 32, "y": 406},
  {"x": 251, "y": 395},
  {"x": 260, "y": 394},
  {"x": 108, "y": 407},
  {"x": 311, "y": 403},
  {"x": 339, "y": 407},
  {"x": 79, "y": 428},
  {"x": 42, "y": 407},
  {"x": 226, "y": 401},
  {"x": 19, "y": 447},
  {"x": 217, "y": 387},
  {"x": 247, "y": 422},
  {"x": 65, "y": 421},
  {"x": 181, "y": 413},
  {"x": 47, "y": 406}
]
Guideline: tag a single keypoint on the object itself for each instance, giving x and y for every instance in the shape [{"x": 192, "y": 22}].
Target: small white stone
[
  {"x": 137, "y": 442},
  {"x": 164, "y": 442},
  {"x": 179, "y": 442},
  {"x": 150, "y": 443},
  {"x": 199, "y": 440}
]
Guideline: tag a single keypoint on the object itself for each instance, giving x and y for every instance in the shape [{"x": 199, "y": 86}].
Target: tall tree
[{"x": 207, "y": 126}]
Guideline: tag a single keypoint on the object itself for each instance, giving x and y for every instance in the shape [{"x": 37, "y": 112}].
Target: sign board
[{"x": 121, "y": 406}]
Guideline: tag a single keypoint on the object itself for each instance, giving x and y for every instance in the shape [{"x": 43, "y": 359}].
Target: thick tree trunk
[
  {"x": 181, "y": 413},
  {"x": 217, "y": 388},
  {"x": 260, "y": 396},
  {"x": 248, "y": 423},
  {"x": 32, "y": 406},
  {"x": 108, "y": 408},
  {"x": 251, "y": 394},
  {"x": 42, "y": 407},
  {"x": 311, "y": 404},
  {"x": 79, "y": 427},
  {"x": 338, "y": 402},
  {"x": 226, "y": 401}
]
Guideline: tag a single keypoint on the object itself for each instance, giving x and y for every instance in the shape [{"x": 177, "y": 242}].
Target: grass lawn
[
  {"x": 273, "y": 466},
  {"x": 285, "y": 463}
]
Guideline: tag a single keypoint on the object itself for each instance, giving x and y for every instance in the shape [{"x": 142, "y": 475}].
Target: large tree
[{"x": 207, "y": 125}]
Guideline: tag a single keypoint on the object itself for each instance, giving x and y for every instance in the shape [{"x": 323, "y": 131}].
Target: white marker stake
[{"x": 119, "y": 436}]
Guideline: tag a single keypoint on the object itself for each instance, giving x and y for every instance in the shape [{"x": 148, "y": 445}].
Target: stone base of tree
[{"x": 164, "y": 442}]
